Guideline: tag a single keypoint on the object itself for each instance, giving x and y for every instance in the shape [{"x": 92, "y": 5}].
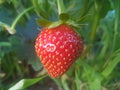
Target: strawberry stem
[
  {"x": 19, "y": 16},
  {"x": 61, "y": 7}
]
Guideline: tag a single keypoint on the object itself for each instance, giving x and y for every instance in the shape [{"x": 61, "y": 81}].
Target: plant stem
[
  {"x": 94, "y": 27},
  {"x": 19, "y": 16},
  {"x": 61, "y": 7},
  {"x": 116, "y": 24}
]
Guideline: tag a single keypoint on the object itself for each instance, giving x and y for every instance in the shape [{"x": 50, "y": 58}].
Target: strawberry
[{"x": 58, "y": 48}]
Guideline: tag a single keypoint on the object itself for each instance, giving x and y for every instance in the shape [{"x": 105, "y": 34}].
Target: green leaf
[
  {"x": 24, "y": 83},
  {"x": 61, "y": 7},
  {"x": 58, "y": 82},
  {"x": 55, "y": 24},
  {"x": 92, "y": 76},
  {"x": 38, "y": 10},
  {"x": 111, "y": 65},
  {"x": 36, "y": 65},
  {"x": 78, "y": 86},
  {"x": 84, "y": 11},
  {"x": 116, "y": 38},
  {"x": 116, "y": 43},
  {"x": 64, "y": 83},
  {"x": 1, "y": 1},
  {"x": 43, "y": 22},
  {"x": 43, "y": 8},
  {"x": 5, "y": 44},
  {"x": 102, "y": 6},
  {"x": 95, "y": 84},
  {"x": 105, "y": 8}
]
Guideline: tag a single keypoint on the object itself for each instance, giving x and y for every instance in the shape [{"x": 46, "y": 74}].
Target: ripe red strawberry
[{"x": 58, "y": 48}]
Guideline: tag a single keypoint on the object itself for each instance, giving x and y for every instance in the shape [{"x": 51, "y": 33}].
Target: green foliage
[
  {"x": 44, "y": 8},
  {"x": 113, "y": 61},
  {"x": 25, "y": 83},
  {"x": 97, "y": 21}
]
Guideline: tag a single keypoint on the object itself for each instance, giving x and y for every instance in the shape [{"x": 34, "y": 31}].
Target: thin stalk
[
  {"x": 61, "y": 7},
  {"x": 19, "y": 16}
]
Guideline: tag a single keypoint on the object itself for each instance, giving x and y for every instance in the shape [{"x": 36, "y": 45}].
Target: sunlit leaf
[{"x": 24, "y": 83}]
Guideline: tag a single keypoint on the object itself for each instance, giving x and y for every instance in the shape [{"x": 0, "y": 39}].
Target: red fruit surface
[{"x": 58, "y": 48}]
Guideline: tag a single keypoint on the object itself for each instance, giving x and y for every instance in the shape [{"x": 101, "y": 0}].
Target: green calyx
[{"x": 63, "y": 17}]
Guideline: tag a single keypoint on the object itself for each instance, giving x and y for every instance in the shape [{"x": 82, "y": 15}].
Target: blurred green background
[{"x": 98, "y": 21}]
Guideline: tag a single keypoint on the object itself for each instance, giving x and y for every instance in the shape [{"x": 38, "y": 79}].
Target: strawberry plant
[{"x": 75, "y": 44}]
